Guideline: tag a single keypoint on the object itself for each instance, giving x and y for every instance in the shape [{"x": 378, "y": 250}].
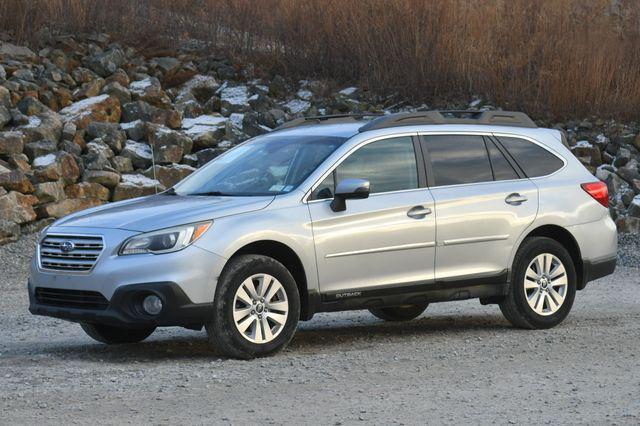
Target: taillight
[{"x": 599, "y": 192}]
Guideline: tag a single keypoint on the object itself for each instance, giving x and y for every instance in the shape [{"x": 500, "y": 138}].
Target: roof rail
[
  {"x": 500, "y": 118},
  {"x": 337, "y": 118}
]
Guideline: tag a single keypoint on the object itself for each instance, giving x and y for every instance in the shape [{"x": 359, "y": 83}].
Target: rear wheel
[
  {"x": 399, "y": 313},
  {"x": 116, "y": 335},
  {"x": 543, "y": 285}
]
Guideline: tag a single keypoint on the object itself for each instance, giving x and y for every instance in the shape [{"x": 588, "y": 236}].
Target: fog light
[{"x": 152, "y": 304}]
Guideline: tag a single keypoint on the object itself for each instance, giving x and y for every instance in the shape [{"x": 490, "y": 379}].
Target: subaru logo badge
[{"x": 67, "y": 246}]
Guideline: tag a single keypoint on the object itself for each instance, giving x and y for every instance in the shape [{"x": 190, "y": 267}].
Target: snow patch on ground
[
  {"x": 236, "y": 120},
  {"x": 348, "y": 91},
  {"x": 238, "y": 95},
  {"x": 83, "y": 105},
  {"x": 140, "y": 149},
  {"x": 34, "y": 121},
  {"x": 297, "y": 106},
  {"x": 44, "y": 160},
  {"x": 583, "y": 144},
  {"x": 194, "y": 127},
  {"x": 304, "y": 94},
  {"x": 141, "y": 86},
  {"x": 138, "y": 180},
  {"x": 130, "y": 125}
]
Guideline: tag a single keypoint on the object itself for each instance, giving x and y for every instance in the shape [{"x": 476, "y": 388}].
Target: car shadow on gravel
[
  {"x": 348, "y": 333},
  {"x": 463, "y": 326}
]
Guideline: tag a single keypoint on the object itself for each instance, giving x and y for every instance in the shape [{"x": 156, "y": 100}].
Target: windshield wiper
[
  {"x": 211, "y": 193},
  {"x": 169, "y": 191}
]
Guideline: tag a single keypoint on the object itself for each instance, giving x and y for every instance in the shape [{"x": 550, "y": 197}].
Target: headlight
[{"x": 165, "y": 240}]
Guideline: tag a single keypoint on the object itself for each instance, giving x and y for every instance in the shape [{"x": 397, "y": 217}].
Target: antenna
[{"x": 153, "y": 167}]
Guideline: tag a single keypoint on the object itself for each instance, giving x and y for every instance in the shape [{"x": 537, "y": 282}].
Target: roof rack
[
  {"x": 500, "y": 118},
  {"x": 336, "y": 118}
]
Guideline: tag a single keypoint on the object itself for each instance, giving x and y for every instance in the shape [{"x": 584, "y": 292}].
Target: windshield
[{"x": 269, "y": 165}]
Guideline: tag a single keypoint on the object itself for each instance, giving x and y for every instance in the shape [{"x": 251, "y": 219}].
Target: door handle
[
  {"x": 515, "y": 199},
  {"x": 418, "y": 212}
]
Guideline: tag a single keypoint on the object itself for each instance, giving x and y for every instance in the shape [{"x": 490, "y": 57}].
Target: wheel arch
[
  {"x": 290, "y": 259},
  {"x": 564, "y": 237}
]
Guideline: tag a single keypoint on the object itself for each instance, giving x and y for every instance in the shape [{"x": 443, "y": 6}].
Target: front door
[{"x": 383, "y": 241}]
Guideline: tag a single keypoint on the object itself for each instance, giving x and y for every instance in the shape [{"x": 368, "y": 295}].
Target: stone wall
[{"x": 87, "y": 121}]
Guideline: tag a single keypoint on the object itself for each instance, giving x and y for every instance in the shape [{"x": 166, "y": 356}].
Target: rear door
[
  {"x": 483, "y": 204},
  {"x": 384, "y": 241}
]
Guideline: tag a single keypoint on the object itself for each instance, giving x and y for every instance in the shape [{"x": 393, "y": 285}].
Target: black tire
[
  {"x": 222, "y": 330},
  {"x": 116, "y": 335},
  {"x": 515, "y": 307},
  {"x": 399, "y": 313}
]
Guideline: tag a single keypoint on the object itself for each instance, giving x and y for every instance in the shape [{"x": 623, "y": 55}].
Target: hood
[{"x": 162, "y": 211}]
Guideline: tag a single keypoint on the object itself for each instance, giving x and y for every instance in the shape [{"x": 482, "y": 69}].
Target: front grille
[
  {"x": 71, "y": 298},
  {"x": 70, "y": 252}
]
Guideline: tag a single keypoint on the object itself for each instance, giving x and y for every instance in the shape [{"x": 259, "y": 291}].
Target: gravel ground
[{"x": 459, "y": 362}]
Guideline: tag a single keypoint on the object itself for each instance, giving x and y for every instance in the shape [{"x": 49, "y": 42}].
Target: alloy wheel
[
  {"x": 545, "y": 284},
  {"x": 260, "y": 308}
]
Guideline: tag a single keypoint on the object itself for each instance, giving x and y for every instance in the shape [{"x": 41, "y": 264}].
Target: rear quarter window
[{"x": 533, "y": 159}]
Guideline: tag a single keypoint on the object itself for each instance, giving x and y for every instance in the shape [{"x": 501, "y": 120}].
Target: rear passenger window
[
  {"x": 533, "y": 159},
  {"x": 458, "y": 159},
  {"x": 502, "y": 169}
]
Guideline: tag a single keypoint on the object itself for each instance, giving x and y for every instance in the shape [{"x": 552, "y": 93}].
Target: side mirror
[{"x": 349, "y": 189}]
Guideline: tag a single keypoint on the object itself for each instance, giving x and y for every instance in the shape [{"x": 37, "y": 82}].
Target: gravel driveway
[{"x": 459, "y": 362}]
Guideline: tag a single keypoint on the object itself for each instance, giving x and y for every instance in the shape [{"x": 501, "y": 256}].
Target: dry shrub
[{"x": 552, "y": 58}]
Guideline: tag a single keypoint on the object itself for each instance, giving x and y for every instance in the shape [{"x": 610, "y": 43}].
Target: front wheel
[
  {"x": 543, "y": 285},
  {"x": 399, "y": 313},
  {"x": 116, "y": 335},
  {"x": 256, "y": 307}
]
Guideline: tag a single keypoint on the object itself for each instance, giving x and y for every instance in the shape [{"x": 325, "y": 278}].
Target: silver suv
[{"x": 338, "y": 213}]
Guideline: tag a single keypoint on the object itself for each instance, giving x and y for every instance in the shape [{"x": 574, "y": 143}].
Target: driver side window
[{"x": 388, "y": 165}]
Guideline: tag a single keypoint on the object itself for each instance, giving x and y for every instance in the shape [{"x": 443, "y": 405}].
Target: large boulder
[
  {"x": 102, "y": 177},
  {"x": 107, "y": 63},
  {"x": 118, "y": 91},
  {"x": 139, "y": 153},
  {"x": 591, "y": 153},
  {"x": 201, "y": 87},
  {"x": 15, "y": 180},
  {"x": 168, "y": 145},
  {"x": 53, "y": 167},
  {"x": 234, "y": 99},
  {"x": 17, "y": 208},
  {"x": 9, "y": 231},
  {"x": 206, "y": 131},
  {"x": 110, "y": 133},
  {"x": 87, "y": 190},
  {"x": 50, "y": 191},
  {"x": 135, "y": 130},
  {"x": 98, "y": 108},
  {"x": 10, "y": 51},
  {"x": 634, "y": 206},
  {"x": 628, "y": 224},
  {"x": 65, "y": 207},
  {"x": 47, "y": 125},
  {"x": 133, "y": 186},
  {"x": 169, "y": 175},
  {"x": 11, "y": 142},
  {"x": 37, "y": 149},
  {"x": 5, "y": 116},
  {"x": 140, "y": 110},
  {"x": 149, "y": 90}
]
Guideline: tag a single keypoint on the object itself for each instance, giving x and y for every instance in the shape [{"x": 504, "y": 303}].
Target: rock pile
[{"x": 86, "y": 121}]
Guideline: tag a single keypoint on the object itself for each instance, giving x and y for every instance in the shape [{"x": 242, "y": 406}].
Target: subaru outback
[{"x": 338, "y": 213}]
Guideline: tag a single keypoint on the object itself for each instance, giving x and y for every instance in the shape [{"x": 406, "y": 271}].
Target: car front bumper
[
  {"x": 124, "y": 310},
  {"x": 184, "y": 280}
]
